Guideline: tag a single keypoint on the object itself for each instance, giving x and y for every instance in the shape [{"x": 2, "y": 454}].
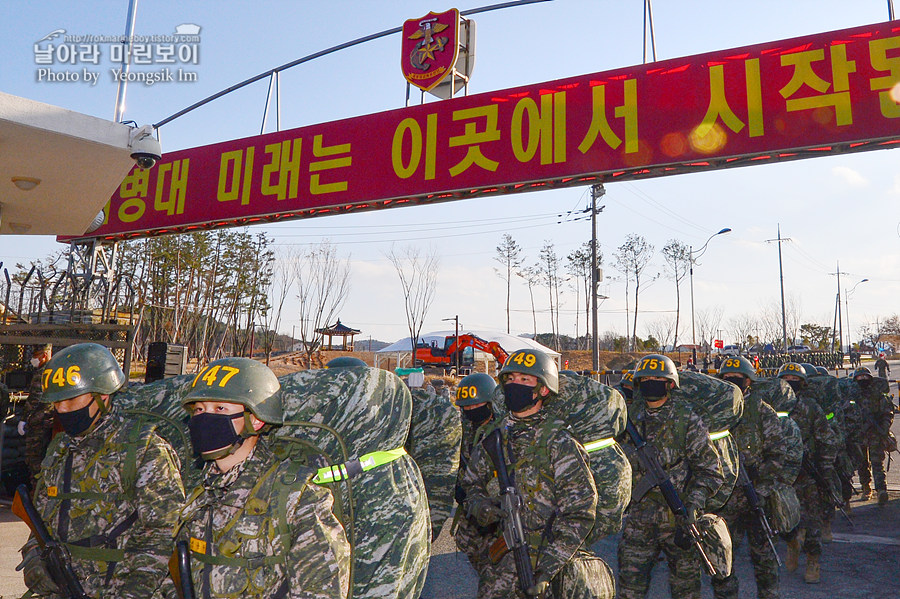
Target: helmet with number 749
[{"x": 537, "y": 364}]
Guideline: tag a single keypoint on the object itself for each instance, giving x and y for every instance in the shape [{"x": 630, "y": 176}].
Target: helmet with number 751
[
  {"x": 656, "y": 365},
  {"x": 79, "y": 369},
  {"x": 242, "y": 381},
  {"x": 533, "y": 362}
]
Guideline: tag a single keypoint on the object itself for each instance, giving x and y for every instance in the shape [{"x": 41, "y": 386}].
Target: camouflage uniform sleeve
[
  {"x": 576, "y": 502},
  {"x": 159, "y": 494},
  {"x": 706, "y": 471},
  {"x": 885, "y": 414},
  {"x": 826, "y": 440},
  {"x": 774, "y": 450},
  {"x": 477, "y": 475},
  {"x": 320, "y": 550}
]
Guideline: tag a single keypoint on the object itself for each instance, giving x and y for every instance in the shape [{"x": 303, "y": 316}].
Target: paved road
[{"x": 861, "y": 563}]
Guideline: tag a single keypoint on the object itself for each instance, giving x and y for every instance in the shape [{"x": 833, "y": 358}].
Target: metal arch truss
[
  {"x": 558, "y": 183},
  {"x": 96, "y": 289}
]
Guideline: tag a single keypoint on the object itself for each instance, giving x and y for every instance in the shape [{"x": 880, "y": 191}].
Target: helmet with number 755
[
  {"x": 537, "y": 364},
  {"x": 656, "y": 365}
]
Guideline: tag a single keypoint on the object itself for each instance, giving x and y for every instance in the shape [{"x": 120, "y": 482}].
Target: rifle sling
[
  {"x": 107, "y": 540},
  {"x": 66, "y": 503}
]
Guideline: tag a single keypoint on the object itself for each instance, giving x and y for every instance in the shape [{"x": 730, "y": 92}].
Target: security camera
[{"x": 145, "y": 148}]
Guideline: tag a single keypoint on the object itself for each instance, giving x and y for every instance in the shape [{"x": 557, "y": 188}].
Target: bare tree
[
  {"x": 708, "y": 321},
  {"x": 632, "y": 258},
  {"x": 323, "y": 282},
  {"x": 548, "y": 266},
  {"x": 532, "y": 277},
  {"x": 578, "y": 266},
  {"x": 509, "y": 255},
  {"x": 678, "y": 259},
  {"x": 280, "y": 284},
  {"x": 417, "y": 271},
  {"x": 742, "y": 327},
  {"x": 662, "y": 329}
]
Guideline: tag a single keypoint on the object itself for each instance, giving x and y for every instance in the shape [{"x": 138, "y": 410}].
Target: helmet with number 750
[
  {"x": 242, "y": 381},
  {"x": 656, "y": 365},
  {"x": 537, "y": 364},
  {"x": 474, "y": 389},
  {"x": 79, "y": 369}
]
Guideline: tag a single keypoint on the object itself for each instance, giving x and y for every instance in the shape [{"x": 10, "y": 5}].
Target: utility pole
[
  {"x": 597, "y": 192},
  {"x": 455, "y": 319},
  {"x": 839, "y": 317},
  {"x": 781, "y": 239}
]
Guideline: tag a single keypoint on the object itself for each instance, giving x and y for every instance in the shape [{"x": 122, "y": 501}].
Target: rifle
[
  {"x": 825, "y": 486},
  {"x": 511, "y": 504},
  {"x": 180, "y": 570},
  {"x": 755, "y": 505},
  {"x": 54, "y": 555},
  {"x": 655, "y": 476}
]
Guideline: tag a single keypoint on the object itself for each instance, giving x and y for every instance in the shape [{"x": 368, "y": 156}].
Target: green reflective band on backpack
[
  {"x": 829, "y": 416},
  {"x": 598, "y": 444},
  {"x": 783, "y": 414},
  {"x": 336, "y": 472},
  {"x": 718, "y": 435}
]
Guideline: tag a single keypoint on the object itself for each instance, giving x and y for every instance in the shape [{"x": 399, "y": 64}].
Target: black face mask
[
  {"x": 864, "y": 381},
  {"x": 76, "y": 422},
  {"x": 479, "y": 414},
  {"x": 518, "y": 397},
  {"x": 627, "y": 393},
  {"x": 653, "y": 390},
  {"x": 796, "y": 385},
  {"x": 740, "y": 381},
  {"x": 213, "y": 436}
]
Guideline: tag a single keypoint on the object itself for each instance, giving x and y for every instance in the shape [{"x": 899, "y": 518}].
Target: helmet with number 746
[
  {"x": 79, "y": 369},
  {"x": 739, "y": 365},
  {"x": 242, "y": 381},
  {"x": 656, "y": 365},
  {"x": 474, "y": 389},
  {"x": 533, "y": 362}
]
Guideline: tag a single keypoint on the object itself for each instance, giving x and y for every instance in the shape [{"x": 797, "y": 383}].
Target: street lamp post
[
  {"x": 693, "y": 259},
  {"x": 847, "y": 293}
]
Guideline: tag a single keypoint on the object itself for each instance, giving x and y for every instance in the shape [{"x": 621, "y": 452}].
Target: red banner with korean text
[{"x": 837, "y": 91}]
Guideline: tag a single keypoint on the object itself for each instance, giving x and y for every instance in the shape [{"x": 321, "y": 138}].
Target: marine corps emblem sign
[{"x": 430, "y": 48}]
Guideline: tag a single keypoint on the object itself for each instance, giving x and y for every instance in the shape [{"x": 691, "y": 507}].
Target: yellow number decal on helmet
[
  {"x": 732, "y": 363},
  {"x": 527, "y": 359},
  {"x": 210, "y": 375},
  {"x": 651, "y": 364},
  {"x": 466, "y": 392},
  {"x": 61, "y": 376}
]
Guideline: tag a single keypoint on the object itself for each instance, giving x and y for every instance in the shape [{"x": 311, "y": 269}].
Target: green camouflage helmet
[
  {"x": 783, "y": 508},
  {"x": 242, "y": 381},
  {"x": 717, "y": 544},
  {"x": 475, "y": 389},
  {"x": 628, "y": 378},
  {"x": 810, "y": 369},
  {"x": 822, "y": 370},
  {"x": 861, "y": 371},
  {"x": 656, "y": 365},
  {"x": 792, "y": 368},
  {"x": 345, "y": 362},
  {"x": 536, "y": 363},
  {"x": 738, "y": 364},
  {"x": 79, "y": 369}
]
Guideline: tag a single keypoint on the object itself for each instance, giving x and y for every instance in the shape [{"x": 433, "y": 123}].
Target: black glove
[
  {"x": 485, "y": 511},
  {"x": 37, "y": 577},
  {"x": 682, "y": 522}
]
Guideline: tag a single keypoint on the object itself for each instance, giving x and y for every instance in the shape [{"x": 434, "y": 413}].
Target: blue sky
[{"x": 840, "y": 208}]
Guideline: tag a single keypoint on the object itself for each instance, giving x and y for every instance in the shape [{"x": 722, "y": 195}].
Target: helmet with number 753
[
  {"x": 656, "y": 365},
  {"x": 739, "y": 365},
  {"x": 533, "y": 362}
]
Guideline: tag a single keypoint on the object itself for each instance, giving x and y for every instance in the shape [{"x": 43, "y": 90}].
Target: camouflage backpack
[
  {"x": 585, "y": 576},
  {"x": 596, "y": 415},
  {"x": 783, "y": 508},
  {"x": 716, "y": 542}
]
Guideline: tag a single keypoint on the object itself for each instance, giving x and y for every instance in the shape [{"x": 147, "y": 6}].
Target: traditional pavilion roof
[{"x": 337, "y": 329}]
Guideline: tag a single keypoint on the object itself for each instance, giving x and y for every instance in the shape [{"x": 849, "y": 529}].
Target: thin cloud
[{"x": 850, "y": 176}]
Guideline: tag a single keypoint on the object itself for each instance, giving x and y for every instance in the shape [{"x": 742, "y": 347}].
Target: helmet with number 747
[
  {"x": 242, "y": 381},
  {"x": 656, "y": 365},
  {"x": 533, "y": 362}
]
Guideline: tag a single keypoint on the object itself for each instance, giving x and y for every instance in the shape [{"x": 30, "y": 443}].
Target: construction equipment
[{"x": 445, "y": 357}]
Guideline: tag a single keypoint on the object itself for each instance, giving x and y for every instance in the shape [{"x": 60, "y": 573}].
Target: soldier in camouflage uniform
[
  {"x": 550, "y": 469},
  {"x": 37, "y": 417},
  {"x": 108, "y": 490},
  {"x": 761, "y": 441},
  {"x": 473, "y": 397},
  {"x": 820, "y": 449},
  {"x": 876, "y": 413},
  {"x": 688, "y": 456},
  {"x": 258, "y": 526}
]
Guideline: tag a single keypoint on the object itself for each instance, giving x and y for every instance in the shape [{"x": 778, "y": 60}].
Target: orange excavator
[{"x": 432, "y": 355}]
